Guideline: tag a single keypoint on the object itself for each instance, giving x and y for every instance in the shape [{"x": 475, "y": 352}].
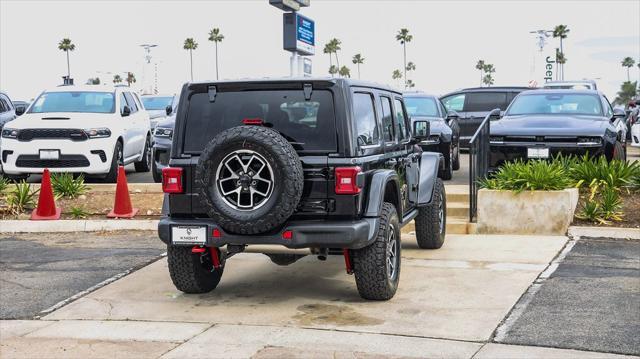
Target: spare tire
[{"x": 250, "y": 179}]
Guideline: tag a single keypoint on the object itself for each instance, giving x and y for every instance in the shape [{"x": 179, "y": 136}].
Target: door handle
[{"x": 391, "y": 162}]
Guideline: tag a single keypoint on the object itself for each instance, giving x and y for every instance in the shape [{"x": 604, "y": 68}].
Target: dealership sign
[{"x": 299, "y": 34}]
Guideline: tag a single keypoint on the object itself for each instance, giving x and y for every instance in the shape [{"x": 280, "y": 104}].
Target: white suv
[{"x": 79, "y": 129}]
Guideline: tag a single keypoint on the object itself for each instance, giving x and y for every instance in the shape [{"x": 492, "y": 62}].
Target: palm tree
[
  {"x": 627, "y": 93},
  {"x": 410, "y": 84},
  {"x": 411, "y": 66},
  {"x": 131, "y": 78},
  {"x": 333, "y": 70},
  {"x": 397, "y": 75},
  {"x": 335, "y": 47},
  {"x": 66, "y": 45},
  {"x": 561, "y": 31},
  {"x": 328, "y": 50},
  {"x": 628, "y": 62},
  {"x": 190, "y": 44},
  {"x": 561, "y": 60},
  {"x": 480, "y": 66},
  {"x": 216, "y": 36},
  {"x": 358, "y": 60},
  {"x": 345, "y": 72},
  {"x": 117, "y": 79},
  {"x": 487, "y": 80},
  {"x": 403, "y": 36}
]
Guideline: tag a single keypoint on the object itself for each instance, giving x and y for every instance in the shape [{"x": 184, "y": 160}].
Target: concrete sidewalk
[{"x": 448, "y": 304}]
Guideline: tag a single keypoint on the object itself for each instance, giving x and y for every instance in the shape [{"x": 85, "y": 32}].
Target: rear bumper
[{"x": 306, "y": 234}]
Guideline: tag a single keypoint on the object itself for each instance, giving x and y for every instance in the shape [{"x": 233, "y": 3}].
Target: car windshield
[
  {"x": 157, "y": 102},
  {"x": 421, "y": 106},
  {"x": 74, "y": 101},
  {"x": 556, "y": 104}
]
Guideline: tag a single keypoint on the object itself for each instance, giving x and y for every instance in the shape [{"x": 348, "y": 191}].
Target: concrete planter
[{"x": 529, "y": 212}]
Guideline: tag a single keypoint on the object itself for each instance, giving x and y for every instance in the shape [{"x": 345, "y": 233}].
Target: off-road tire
[
  {"x": 370, "y": 263},
  {"x": 112, "y": 176},
  {"x": 285, "y": 259},
  {"x": 430, "y": 232},
  {"x": 447, "y": 172},
  {"x": 455, "y": 138},
  {"x": 287, "y": 182},
  {"x": 144, "y": 165},
  {"x": 188, "y": 272}
]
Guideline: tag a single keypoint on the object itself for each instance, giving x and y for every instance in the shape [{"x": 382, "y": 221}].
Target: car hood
[
  {"x": 62, "y": 120},
  {"x": 436, "y": 124},
  {"x": 155, "y": 114},
  {"x": 550, "y": 125},
  {"x": 168, "y": 122}
]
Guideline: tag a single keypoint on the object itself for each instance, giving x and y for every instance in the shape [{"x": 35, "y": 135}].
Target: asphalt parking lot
[
  {"x": 591, "y": 302},
  {"x": 37, "y": 271}
]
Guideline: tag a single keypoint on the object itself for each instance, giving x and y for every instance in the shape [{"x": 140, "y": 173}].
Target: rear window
[
  {"x": 307, "y": 125},
  {"x": 485, "y": 101}
]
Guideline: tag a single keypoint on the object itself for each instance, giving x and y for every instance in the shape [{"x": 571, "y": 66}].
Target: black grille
[
  {"x": 52, "y": 133},
  {"x": 103, "y": 156},
  {"x": 64, "y": 161}
]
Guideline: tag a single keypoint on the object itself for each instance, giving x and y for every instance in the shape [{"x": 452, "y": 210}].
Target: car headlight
[
  {"x": 163, "y": 132},
  {"x": 98, "y": 132},
  {"x": 589, "y": 140},
  {"x": 10, "y": 133}
]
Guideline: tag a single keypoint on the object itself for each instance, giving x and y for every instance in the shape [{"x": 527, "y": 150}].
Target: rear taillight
[
  {"x": 253, "y": 121},
  {"x": 172, "y": 180},
  {"x": 347, "y": 180}
]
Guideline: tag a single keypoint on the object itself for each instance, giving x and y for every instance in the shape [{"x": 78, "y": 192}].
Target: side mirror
[
  {"x": 421, "y": 130},
  {"x": 20, "y": 110},
  {"x": 618, "y": 113},
  {"x": 452, "y": 115},
  {"x": 168, "y": 110},
  {"x": 126, "y": 111}
]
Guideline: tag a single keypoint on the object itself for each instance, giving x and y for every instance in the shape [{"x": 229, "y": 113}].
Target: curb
[
  {"x": 61, "y": 226},
  {"x": 604, "y": 232}
]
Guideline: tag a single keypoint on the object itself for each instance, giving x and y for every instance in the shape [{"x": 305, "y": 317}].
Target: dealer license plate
[
  {"x": 188, "y": 235},
  {"x": 537, "y": 152},
  {"x": 49, "y": 154}
]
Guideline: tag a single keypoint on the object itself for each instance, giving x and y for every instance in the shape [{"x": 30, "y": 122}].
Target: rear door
[
  {"x": 137, "y": 133},
  {"x": 308, "y": 124}
]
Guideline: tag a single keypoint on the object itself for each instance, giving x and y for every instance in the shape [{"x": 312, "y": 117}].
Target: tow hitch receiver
[
  {"x": 347, "y": 260},
  {"x": 215, "y": 254}
]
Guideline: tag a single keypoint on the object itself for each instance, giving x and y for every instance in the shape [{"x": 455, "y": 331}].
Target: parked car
[
  {"x": 162, "y": 138},
  {"x": 473, "y": 105},
  {"x": 7, "y": 109},
  {"x": 292, "y": 168},
  {"x": 79, "y": 129},
  {"x": 158, "y": 107},
  {"x": 541, "y": 124},
  {"x": 568, "y": 85},
  {"x": 445, "y": 130}
]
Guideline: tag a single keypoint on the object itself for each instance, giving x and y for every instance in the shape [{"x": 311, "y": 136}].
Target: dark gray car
[{"x": 445, "y": 130}]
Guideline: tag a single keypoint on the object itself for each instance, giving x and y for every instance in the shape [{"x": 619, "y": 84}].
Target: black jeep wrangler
[{"x": 297, "y": 167}]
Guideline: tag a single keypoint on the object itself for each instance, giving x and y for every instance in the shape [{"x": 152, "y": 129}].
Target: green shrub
[
  {"x": 600, "y": 172},
  {"x": 4, "y": 183},
  {"x": 529, "y": 176},
  {"x": 22, "y": 197},
  {"x": 603, "y": 208},
  {"x": 64, "y": 185},
  {"x": 78, "y": 213}
]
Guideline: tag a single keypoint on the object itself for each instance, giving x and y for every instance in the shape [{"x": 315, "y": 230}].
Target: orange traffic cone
[
  {"x": 122, "y": 206},
  {"x": 46, "y": 209}
]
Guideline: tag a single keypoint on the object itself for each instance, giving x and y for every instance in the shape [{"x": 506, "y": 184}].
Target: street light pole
[{"x": 147, "y": 56}]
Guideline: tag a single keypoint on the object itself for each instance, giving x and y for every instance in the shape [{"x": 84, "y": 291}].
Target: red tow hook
[
  {"x": 347, "y": 260},
  {"x": 215, "y": 256}
]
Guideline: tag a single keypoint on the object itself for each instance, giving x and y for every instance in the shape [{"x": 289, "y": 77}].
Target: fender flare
[
  {"x": 377, "y": 187},
  {"x": 430, "y": 163}
]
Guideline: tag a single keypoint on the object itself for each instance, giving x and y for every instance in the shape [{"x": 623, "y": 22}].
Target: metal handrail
[{"x": 479, "y": 152}]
